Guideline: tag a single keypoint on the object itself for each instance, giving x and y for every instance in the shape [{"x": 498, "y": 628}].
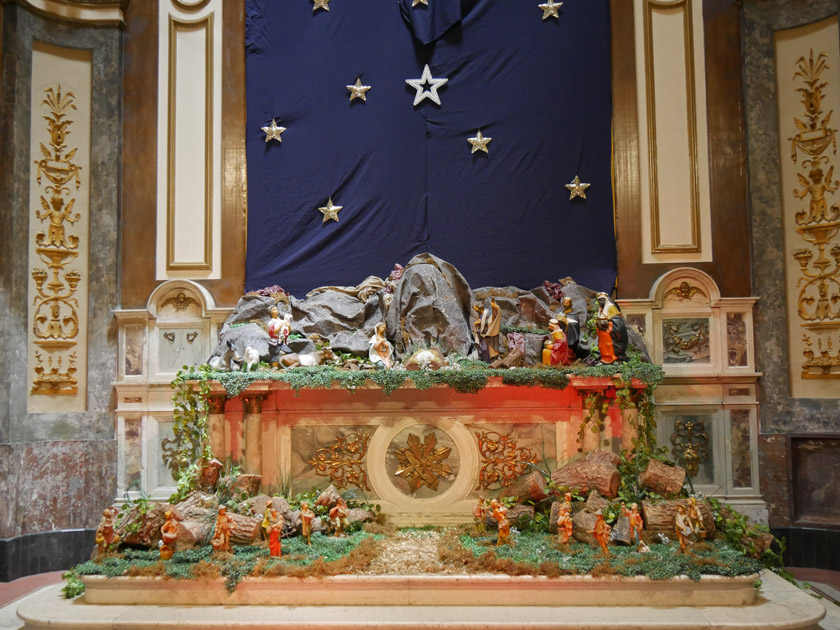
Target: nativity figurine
[
  {"x": 221, "y": 533},
  {"x": 556, "y": 350},
  {"x": 573, "y": 335},
  {"x": 338, "y": 517},
  {"x": 694, "y": 518},
  {"x": 682, "y": 528},
  {"x": 381, "y": 352},
  {"x": 565, "y": 526},
  {"x": 106, "y": 538},
  {"x": 278, "y": 333},
  {"x": 168, "y": 535},
  {"x": 612, "y": 331},
  {"x": 488, "y": 329},
  {"x": 499, "y": 513},
  {"x": 637, "y": 526},
  {"x": 601, "y": 532},
  {"x": 275, "y": 532},
  {"x": 306, "y": 518},
  {"x": 479, "y": 514}
]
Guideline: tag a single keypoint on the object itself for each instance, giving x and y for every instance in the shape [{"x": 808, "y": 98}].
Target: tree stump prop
[
  {"x": 531, "y": 487},
  {"x": 661, "y": 478},
  {"x": 597, "y": 469},
  {"x": 582, "y": 523},
  {"x": 596, "y": 502},
  {"x": 620, "y": 534},
  {"x": 328, "y": 497},
  {"x": 244, "y": 530},
  {"x": 210, "y": 474},
  {"x": 515, "y": 512},
  {"x": 659, "y": 517},
  {"x": 244, "y": 485}
]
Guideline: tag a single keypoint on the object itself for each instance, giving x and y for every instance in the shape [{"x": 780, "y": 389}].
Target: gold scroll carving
[
  {"x": 818, "y": 301},
  {"x": 56, "y": 318},
  {"x": 502, "y": 461},
  {"x": 343, "y": 461},
  {"x": 691, "y": 444}
]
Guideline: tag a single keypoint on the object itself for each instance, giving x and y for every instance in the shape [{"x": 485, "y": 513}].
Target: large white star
[
  {"x": 433, "y": 84},
  {"x": 550, "y": 8},
  {"x": 273, "y": 131}
]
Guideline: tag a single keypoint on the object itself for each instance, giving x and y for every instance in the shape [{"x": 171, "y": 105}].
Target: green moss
[{"x": 663, "y": 561}]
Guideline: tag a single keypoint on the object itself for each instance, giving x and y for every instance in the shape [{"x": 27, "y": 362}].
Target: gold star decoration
[
  {"x": 414, "y": 3},
  {"x": 549, "y": 9},
  {"x": 479, "y": 143},
  {"x": 358, "y": 90},
  {"x": 577, "y": 189},
  {"x": 330, "y": 211},
  {"x": 273, "y": 131},
  {"x": 321, "y": 4}
]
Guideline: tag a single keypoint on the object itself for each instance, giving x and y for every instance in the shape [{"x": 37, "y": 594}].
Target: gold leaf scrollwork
[
  {"x": 818, "y": 302},
  {"x": 343, "y": 461},
  {"x": 691, "y": 444},
  {"x": 423, "y": 464},
  {"x": 502, "y": 461},
  {"x": 674, "y": 339},
  {"x": 56, "y": 320}
]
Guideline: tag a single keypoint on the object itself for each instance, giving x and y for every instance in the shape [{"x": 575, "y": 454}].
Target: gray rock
[
  {"x": 533, "y": 348},
  {"x": 638, "y": 342},
  {"x": 249, "y": 308},
  {"x": 431, "y": 306},
  {"x": 356, "y": 343},
  {"x": 302, "y": 346},
  {"x": 242, "y": 337}
]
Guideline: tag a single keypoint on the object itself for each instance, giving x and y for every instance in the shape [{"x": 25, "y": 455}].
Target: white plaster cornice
[{"x": 104, "y": 13}]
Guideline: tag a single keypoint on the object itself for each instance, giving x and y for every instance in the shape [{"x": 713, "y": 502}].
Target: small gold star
[
  {"x": 479, "y": 143},
  {"x": 273, "y": 131},
  {"x": 549, "y": 9},
  {"x": 577, "y": 189},
  {"x": 414, "y": 3},
  {"x": 358, "y": 90},
  {"x": 330, "y": 211},
  {"x": 321, "y": 4}
]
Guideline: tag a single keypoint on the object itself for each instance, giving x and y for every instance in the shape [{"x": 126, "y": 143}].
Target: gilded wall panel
[
  {"x": 808, "y": 82},
  {"x": 59, "y": 202}
]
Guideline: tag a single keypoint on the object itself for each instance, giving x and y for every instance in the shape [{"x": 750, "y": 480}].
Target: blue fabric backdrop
[{"x": 405, "y": 175}]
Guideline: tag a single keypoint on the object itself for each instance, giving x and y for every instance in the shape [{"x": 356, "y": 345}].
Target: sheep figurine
[{"x": 252, "y": 359}]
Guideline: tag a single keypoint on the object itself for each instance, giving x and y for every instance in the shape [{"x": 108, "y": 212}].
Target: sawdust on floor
[{"x": 409, "y": 553}]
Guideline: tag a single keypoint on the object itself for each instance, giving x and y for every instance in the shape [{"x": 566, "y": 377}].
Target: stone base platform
[{"x": 777, "y": 606}]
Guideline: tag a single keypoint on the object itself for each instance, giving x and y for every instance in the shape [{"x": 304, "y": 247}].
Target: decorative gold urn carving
[
  {"x": 55, "y": 322},
  {"x": 423, "y": 464},
  {"x": 502, "y": 461},
  {"x": 343, "y": 461},
  {"x": 818, "y": 302}
]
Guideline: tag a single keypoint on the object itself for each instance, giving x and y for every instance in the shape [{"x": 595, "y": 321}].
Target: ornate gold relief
[
  {"x": 55, "y": 322},
  {"x": 674, "y": 339},
  {"x": 343, "y": 461},
  {"x": 502, "y": 461},
  {"x": 685, "y": 291},
  {"x": 691, "y": 444},
  {"x": 179, "y": 302},
  {"x": 818, "y": 302},
  {"x": 423, "y": 464}
]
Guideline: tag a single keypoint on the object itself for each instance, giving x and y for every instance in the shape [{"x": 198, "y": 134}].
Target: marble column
[
  {"x": 252, "y": 404},
  {"x": 216, "y": 424}
]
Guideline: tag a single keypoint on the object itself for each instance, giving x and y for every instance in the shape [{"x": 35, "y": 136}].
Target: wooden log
[
  {"x": 620, "y": 534},
  {"x": 195, "y": 533},
  {"x": 244, "y": 530},
  {"x": 515, "y": 513},
  {"x": 597, "y": 469},
  {"x": 659, "y": 517},
  {"x": 197, "y": 505},
  {"x": 210, "y": 474},
  {"x": 135, "y": 528},
  {"x": 582, "y": 523},
  {"x": 595, "y": 501},
  {"x": 531, "y": 487},
  {"x": 552, "y": 517},
  {"x": 661, "y": 478}
]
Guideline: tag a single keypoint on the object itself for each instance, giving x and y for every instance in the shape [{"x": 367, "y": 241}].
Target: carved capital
[
  {"x": 216, "y": 403},
  {"x": 252, "y": 403}
]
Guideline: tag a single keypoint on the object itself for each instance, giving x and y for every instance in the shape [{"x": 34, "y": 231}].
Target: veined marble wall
[{"x": 58, "y": 453}]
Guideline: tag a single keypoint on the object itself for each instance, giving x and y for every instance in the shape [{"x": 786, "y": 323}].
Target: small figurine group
[
  {"x": 338, "y": 517},
  {"x": 499, "y": 513},
  {"x": 272, "y": 526},
  {"x": 688, "y": 525},
  {"x": 637, "y": 525}
]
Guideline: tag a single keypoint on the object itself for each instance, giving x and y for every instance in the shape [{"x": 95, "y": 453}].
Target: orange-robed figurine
[
  {"x": 601, "y": 532},
  {"x": 637, "y": 525},
  {"x": 499, "y": 513},
  {"x": 275, "y": 532},
  {"x": 556, "y": 349},
  {"x": 479, "y": 514},
  {"x": 221, "y": 534},
  {"x": 106, "y": 537},
  {"x": 565, "y": 526},
  {"x": 168, "y": 534},
  {"x": 612, "y": 331},
  {"x": 306, "y": 517},
  {"x": 682, "y": 528},
  {"x": 338, "y": 517}
]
